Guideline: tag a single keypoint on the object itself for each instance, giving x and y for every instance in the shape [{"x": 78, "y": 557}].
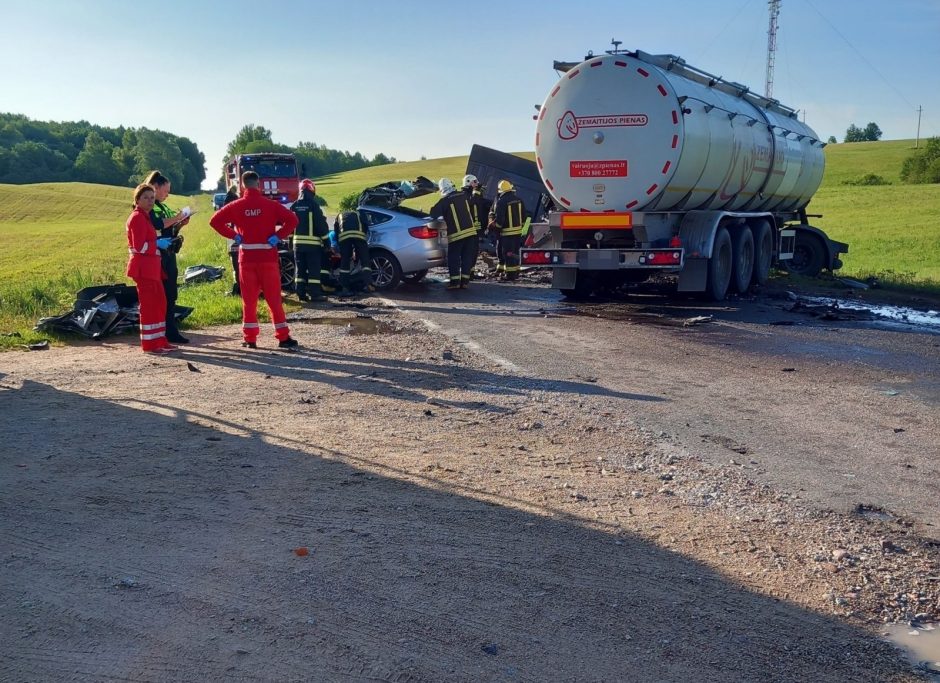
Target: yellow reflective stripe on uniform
[
  {"x": 511, "y": 232},
  {"x": 352, "y": 234},
  {"x": 453, "y": 213},
  {"x": 307, "y": 239},
  {"x": 514, "y": 221},
  {"x": 461, "y": 234}
]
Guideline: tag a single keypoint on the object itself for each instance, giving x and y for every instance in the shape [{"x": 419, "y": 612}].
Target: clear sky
[{"x": 412, "y": 79}]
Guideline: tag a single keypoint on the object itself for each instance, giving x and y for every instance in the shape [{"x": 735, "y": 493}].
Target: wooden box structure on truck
[{"x": 655, "y": 165}]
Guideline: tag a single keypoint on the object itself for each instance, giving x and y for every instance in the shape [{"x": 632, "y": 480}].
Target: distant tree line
[
  {"x": 315, "y": 160},
  {"x": 50, "y": 151},
  {"x": 869, "y": 133}
]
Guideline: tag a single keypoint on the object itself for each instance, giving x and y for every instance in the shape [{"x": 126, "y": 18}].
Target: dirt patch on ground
[{"x": 386, "y": 505}]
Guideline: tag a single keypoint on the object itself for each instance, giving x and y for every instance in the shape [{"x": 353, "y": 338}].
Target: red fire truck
[{"x": 277, "y": 172}]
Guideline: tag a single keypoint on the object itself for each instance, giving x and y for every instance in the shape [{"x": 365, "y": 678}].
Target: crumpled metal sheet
[
  {"x": 202, "y": 273},
  {"x": 101, "y": 311}
]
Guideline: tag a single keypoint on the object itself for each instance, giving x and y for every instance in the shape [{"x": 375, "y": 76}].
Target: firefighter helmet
[
  {"x": 307, "y": 184},
  {"x": 446, "y": 185},
  {"x": 504, "y": 186},
  {"x": 468, "y": 179}
]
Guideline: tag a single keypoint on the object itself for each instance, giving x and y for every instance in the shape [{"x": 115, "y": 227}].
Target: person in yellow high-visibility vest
[
  {"x": 507, "y": 219},
  {"x": 309, "y": 237}
]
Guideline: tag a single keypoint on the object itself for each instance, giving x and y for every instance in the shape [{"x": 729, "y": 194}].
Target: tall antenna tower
[{"x": 771, "y": 47}]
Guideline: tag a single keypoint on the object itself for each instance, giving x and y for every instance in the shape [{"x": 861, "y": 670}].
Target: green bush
[
  {"x": 867, "y": 179},
  {"x": 923, "y": 166},
  {"x": 349, "y": 202}
]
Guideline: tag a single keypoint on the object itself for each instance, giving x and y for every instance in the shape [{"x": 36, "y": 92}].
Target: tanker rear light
[
  {"x": 536, "y": 258},
  {"x": 661, "y": 258},
  {"x": 675, "y": 242},
  {"x": 539, "y": 257}
]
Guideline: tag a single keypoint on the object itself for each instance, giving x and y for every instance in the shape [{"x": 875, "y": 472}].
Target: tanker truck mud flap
[{"x": 787, "y": 242}]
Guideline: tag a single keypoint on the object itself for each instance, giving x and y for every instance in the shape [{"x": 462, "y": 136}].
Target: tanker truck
[{"x": 655, "y": 166}]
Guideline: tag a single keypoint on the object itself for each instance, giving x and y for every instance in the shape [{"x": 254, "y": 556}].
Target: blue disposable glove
[
  {"x": 274, "y": 240},
  {"x": 238, "y": 239},
  {"x": 163, "y": 242}
]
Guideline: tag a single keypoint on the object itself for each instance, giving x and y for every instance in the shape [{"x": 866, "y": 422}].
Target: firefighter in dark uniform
[
  {"x": 352, "y": 233},
  {"x": 231, "y": 196},
  {"x": 168, "y": 223},
  {"x": 462, "y": 241},
  {"x": 507, "y": 219},
  {"x": 308, "y": 240},
  {"x": 479, "y": 207}
]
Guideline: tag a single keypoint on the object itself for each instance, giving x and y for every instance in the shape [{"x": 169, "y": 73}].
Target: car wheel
[
  {"x": 288, "y": 270},
  {"x": 415, "y": 277},
  {"x": 386, "y": 272}
]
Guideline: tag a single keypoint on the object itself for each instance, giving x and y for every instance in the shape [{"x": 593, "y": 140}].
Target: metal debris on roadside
[
  {"x": 100, "y": 311},
  {"x": 202, "y": 273}
]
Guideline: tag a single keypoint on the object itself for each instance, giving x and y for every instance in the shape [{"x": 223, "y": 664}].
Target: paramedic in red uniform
[
  {"x": 255, "y": 219},
  {"x": 144, "y": 267}
]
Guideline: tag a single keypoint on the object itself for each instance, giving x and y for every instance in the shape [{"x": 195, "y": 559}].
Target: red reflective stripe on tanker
[
  {"x": 574, "y": 73},
  {"x": 675, "y": 141},
  {"x": 548, "y": 184},
  {"x": 675, "y": 117},
  {"x": 538, "y": 160},
  {"x": 643, "y": 73},
  {"x": 632, "y": 204},
  {"x": 555, "y": 91},
  {"x": 564, "y": 201},
  {"x": 662, "y": 90},
  {"x": 537, "y": 139},
  {"x": 652, "y": 188},
  {"x": 666, "y": 167},
  {"x": 597, "y": 63},
  {"x": 542, "y": 113},
  {"x": 620, "y": 63}
]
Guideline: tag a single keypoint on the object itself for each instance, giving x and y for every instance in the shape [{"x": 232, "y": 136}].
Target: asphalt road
[{"x": 840, "y": 412}]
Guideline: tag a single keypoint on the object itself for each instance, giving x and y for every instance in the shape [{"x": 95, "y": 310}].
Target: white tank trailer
[{"x": 656, "y": 166}]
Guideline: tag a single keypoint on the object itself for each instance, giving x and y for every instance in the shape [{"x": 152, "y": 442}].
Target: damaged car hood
[{"x": 389, "y": 195}]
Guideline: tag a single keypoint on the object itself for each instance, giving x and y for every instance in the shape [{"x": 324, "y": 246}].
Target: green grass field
[{"x": 57, "y": 238}]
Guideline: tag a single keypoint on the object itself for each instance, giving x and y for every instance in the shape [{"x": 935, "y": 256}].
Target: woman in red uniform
[{"x": 144, "y": 267}]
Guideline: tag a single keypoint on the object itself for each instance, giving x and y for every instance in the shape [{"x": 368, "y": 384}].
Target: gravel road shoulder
[{"x": 392, "y": 506}]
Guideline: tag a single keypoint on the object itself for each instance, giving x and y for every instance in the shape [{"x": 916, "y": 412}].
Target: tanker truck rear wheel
[
  {"x": 763, "y": 252},
  {"x": 720, "y": 266},
  {"x": 808, "y": 255},
  {"x": 742, "y": 249}
]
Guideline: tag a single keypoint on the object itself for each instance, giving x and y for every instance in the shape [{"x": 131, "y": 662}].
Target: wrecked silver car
[{"x": 403, "y": 243}]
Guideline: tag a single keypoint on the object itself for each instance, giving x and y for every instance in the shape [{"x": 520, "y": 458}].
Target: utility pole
[
  {"x": 774, "y": 6},
  {"x": 917, "y": 141}
]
